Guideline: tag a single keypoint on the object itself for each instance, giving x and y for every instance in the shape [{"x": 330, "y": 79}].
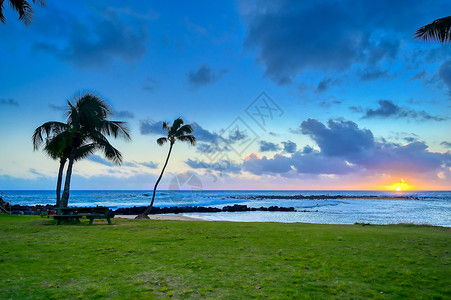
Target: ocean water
[{"x": 432, "y": 208}]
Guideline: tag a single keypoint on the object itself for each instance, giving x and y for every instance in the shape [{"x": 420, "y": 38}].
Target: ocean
[{"x": 428, "y": 207}]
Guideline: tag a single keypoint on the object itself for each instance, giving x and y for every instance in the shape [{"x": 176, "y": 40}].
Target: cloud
[
  {"x": 292, "y": 37},
  {"x": 289, "y": 147},
  {"x": 341, "y": 138},
  {"x": 326, "y": 83},
  {"x": 149, "y": 127},
  {"x": 100, "y": 160},
  {"x": 9, "y": 102},
  {"x": 445, "y": 144},
  {"x": 135, "y": 164},
  {"x": 387, "y": 109},
  {"x": 345, "y": 148},
  {"x": 223, "y": 166},
  {"x": 445, "y": 74},
  {"x": 204, "y": 75},
  {"x": 371, "y": 74},
  {"x": 150, "y": 84},
  {"x": 357, "y": 109},
  {"x": 150, "y": 164},
  {"x": 268, "y": 146},
  {"x": 97, "y": 40},
  {"x": 58, "y": 108},
  {"x": 123, "y": 114},
  {"x": 279, "y": 164}
]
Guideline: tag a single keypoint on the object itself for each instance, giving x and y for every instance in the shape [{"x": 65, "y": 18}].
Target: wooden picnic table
[{"x": 91, "y": 213}]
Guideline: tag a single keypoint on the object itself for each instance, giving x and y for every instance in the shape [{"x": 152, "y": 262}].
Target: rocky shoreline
[
  {"x": 135, "y": 210},
  {"x": 325, "y": 197}
]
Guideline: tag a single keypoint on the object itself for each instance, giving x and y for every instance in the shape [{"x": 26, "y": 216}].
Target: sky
[{"x": 282, "y": 95}]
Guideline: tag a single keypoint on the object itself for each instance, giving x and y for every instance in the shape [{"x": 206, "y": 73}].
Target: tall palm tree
[
  {"x": 57, "y": 146},
  {"x": 82, "y": 134},
  {"x": 438, "y": 30},
  {"x": 88, "y": 123},
  {"x": 176, "y": 132},
  {"x": 23, "y": 8}
]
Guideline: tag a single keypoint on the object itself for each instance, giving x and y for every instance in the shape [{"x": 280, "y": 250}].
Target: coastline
[{"x": 162, "y": 217}]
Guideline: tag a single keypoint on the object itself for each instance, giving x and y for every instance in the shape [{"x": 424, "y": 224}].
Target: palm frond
[
  {"x": 438, "y": 30},
  {"x": 48, "y": 129},
  {"x": 84, "y": 151},
  {"x": 40, "y": 2},
  {"x": 166, "y": 126},
  {"x": 185, "y": 129},
  {"x": 24, "y": 9},
  {"x": 2, "y": 17},
  {"x": 187, "y": 138},
  {"x": 161, "y": 141},
  {"x": 115, "y": 128},
  {"x": 102, "y": 143},
  {"x": 175, "y": 126},
  {"x": 112, "y": 154}
]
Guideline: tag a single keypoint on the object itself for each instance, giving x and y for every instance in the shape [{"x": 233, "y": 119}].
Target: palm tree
[
  {"x": 176, "y": 132},
  {"x": 57, "y": 146},
  {"x": 438, "y": 30},
  {"x": 23, "y": 8},
  {"x": 82, "y": 134}
]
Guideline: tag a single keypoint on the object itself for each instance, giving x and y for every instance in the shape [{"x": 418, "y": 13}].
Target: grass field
[{"x": 141, "y": 259}]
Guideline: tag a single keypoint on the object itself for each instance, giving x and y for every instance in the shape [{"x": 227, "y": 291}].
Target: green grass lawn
[{"x": 160, "y": 259}]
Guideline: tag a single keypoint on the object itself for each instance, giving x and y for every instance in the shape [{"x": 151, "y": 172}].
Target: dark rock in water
[
  {"x": 197, "y": 209},
  {"x": 136, "y": 210}
]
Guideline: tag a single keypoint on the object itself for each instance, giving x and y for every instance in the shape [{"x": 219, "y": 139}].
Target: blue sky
[{"x": 282, "y": 95}]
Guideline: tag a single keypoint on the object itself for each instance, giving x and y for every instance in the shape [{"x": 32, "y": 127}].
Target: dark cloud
[
  {"x": 223, "y": 166},
  {"x": 328, "y": 104},
  {"x": 268, "y": 146},
  {"x": 10, "y": 102},
  {"x": 279, "y": 164},
  {"x": 150, "y": 127},
  {"x": 357, "y": 109},
  {"x": 100, "y": 160},
  {"x": 341, "y": 138},
  {"x": 134, "y": 164},
  {"x": 150, "y": 164},
  {"x": 326, "y": 83},
  {"x": 289, "y": 147},
  {"x": 204, "y": 75},
  {"x": 345, "y": 148},
  {"x": 388, "y": 109},
  {"x": 371, "y": 73},
  {"x": 150, "y": 84},
  {"x": 446, "y": 144},
  {"x": 203, "y": 135},
  {"x": 445, "y": 74},
  {"x": 58, "y": 108},
  {"x": 97, "y": 40},
  {"x": 291, "y": 36},
  {"x": 123, "y": 114}
]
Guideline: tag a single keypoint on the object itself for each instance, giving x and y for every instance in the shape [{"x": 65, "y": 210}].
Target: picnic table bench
[{"x": 91, "y": 213}]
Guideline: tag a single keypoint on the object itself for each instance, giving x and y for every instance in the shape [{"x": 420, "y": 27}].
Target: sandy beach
[{"x": 162, "y": 217}]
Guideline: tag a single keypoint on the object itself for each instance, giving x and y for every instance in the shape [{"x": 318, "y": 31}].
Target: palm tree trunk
[
  {"x": 149, "y": 208},
  {"x": 65, "y": 198},
  {"x": 59, "y": 181}
]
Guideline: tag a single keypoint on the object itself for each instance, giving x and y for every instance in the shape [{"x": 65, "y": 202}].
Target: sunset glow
[{"x": 274, "y": 105}]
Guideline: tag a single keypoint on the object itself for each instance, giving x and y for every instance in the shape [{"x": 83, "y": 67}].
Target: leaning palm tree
[
  {"x": 23, "y": 8},
  {"x": 82, "y": 134},
  {"x": 176, "y": 132},
  {"x": 438, "y": 30}
]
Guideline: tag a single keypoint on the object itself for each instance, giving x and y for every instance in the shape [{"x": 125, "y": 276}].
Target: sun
[{"x": 399, "y": 186}]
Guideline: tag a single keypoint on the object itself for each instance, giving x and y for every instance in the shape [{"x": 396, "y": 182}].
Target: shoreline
[{"x": 162, "y": 217}]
